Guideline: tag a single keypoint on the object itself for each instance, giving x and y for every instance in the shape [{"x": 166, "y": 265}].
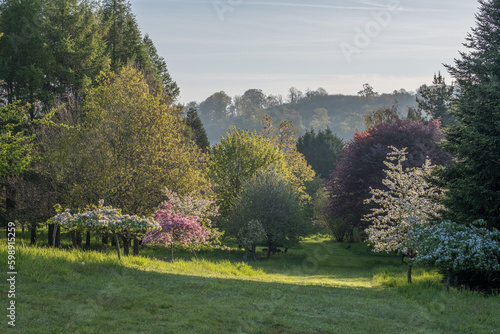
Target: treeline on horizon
[{"x": 313, "y": 109}]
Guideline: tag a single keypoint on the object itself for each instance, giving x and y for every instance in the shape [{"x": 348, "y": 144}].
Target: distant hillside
[{"x": 344, "y": 114}]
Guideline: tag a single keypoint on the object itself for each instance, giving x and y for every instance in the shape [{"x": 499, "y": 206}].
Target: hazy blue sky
[{"x": 235, "y": 45}]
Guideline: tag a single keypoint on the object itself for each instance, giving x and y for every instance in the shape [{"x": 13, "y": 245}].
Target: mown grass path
[{"x": 323, "y": 287}]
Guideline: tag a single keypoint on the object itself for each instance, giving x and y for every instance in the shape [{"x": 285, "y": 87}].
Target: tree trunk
[
  {"x": 126, "y": 244},
  {"x": 54, "y": 236},
  {"x": 118, "y": 247},
  {"x": 269, "y": 248},
  {"x": 448, "y": 281},
  {"x": 33, "y": 234},
  {"x": 254, "y": 255},
  {"x": 104, "y": 239},
  {"x": 87, "y": 239},
  {"x": 409, "y": 273},
  {"x": 136, "y": 246},
  {"x": 245, "y": 255},
  {"x": 172, "y": 252},
  {"x": 79, "y": 239},
  {"x": 73, "y": 239}
]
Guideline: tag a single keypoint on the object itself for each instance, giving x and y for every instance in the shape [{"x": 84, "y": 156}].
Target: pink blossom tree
[{"x": 177, "y": 229}]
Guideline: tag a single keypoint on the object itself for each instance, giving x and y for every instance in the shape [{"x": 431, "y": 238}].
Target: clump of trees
[
  {"x": 321, "y": 150},
  {"x": 361, "y": 165},
  {"x": 467, "y": 254},
  {"x": 124, "y": 152},
  {"x": 103, "y": 220}
]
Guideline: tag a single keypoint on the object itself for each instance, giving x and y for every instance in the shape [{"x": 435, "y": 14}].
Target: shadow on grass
[{"x": 89, "y": 292}]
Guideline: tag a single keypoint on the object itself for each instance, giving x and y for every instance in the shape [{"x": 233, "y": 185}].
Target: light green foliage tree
[
  {"x": 407, "y": 201},
  {"x": 236, "y": 159},
  {"x": 272, "y": 200},
  {"x": 284, "y": 137},
  {"x": 130, "y": 147},
  {"x": 15, "y": 142},
  {"x": 320, "y": 120},
  {"x": 248, "y": 237}
]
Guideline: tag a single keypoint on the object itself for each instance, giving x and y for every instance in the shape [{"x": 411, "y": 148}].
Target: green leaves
[
  {"x": 15, "y": 143},
  {"x": 275, "y": 203},
  {"x": 236, "y": 159},
  {"x": 131, "y": 146}
]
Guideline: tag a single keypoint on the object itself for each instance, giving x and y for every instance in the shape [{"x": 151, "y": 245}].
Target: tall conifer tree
[{"x": 473, "y": 179}]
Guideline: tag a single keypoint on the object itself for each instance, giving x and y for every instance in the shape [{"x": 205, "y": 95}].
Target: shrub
[{"x": 471, "y": 253}]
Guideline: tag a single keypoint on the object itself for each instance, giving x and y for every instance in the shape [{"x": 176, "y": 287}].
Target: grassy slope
[{"x": 324, "y": 287}]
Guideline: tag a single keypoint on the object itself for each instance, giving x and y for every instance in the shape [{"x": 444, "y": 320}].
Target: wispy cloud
[{"x": 306, "y": 5}]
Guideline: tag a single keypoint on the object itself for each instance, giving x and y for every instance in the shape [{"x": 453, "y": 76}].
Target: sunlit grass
[{"x": 320, "y": 287}]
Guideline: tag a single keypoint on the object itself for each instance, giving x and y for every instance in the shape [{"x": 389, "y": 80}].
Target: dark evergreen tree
[
  {"x": 50, "y": 49},
  {"x": 197, "y": 131},
  {"x": 473, "y": 180},
  {"x": 321, "y": 150},
  {"x": 25, "y": 55},
  {"x": 76, "y": 40},
  {"x": 159, "y": 70},
  {"x": 123, "y": 40},
  {"x": 435, "y": 100}
]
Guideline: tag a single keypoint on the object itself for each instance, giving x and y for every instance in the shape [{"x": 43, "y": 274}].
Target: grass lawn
[{"x": 321, "y": 287}]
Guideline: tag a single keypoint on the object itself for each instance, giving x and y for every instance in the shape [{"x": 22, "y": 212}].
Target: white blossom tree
[{"x": 408, "y": 200}]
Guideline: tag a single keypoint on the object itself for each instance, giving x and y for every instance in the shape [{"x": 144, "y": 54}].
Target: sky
[{"x": 236, "y": 45}]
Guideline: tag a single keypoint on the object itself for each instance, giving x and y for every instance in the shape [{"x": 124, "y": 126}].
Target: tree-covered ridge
[{"x": 343, "y": 114}]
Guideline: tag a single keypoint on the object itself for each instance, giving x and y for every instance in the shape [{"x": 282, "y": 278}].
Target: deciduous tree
[
  {"x": 361, "y": 165},
  {"x": 406, "y": 200},
  {"x": 236, "y": 159},
  {"x": 284, "y": 137},
  {"x": 130, "y": 147},
  {"x": 275, "y": 203}
]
